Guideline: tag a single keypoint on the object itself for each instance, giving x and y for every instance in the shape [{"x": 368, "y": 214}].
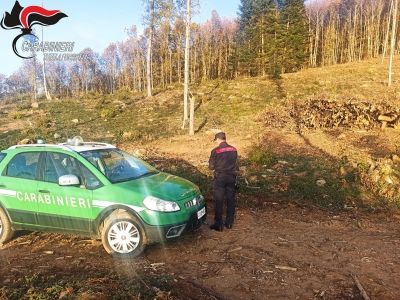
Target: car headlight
[{"x": 158, "y": 204}]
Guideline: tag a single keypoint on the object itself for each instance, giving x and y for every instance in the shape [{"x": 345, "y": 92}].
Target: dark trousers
[{"x": 224, "y": 188}]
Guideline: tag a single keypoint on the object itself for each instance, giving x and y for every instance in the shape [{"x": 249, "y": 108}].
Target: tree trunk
[
  {"x": 385, "y": 44},
  {"x": 186, "y": 72},
  {"x": 394, "y": 24},
  {"x": 48, "y": 97},
  {"x": 149, "y": 49}
]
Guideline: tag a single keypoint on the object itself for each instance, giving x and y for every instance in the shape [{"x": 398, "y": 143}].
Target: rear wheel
[
  {"x": 6, "y": 232},
  {"x": 123, "y": 235}
]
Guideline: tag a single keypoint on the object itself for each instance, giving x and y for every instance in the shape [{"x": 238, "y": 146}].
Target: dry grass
[
  {"x": 362, "y": 80},
  {"x": 134, "y": 122}
]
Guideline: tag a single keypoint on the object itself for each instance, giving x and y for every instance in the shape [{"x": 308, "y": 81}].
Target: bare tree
[
  {"x": 186, "y": 72},
  {"x": 177, "y": 35},
  {"x": 48, "y": 97},
  {"x": 133, "y": 58},
  {"x": 110, "y": 57},
  {"x": 3, "y": 91},
  {"x": 385, "y": 43},
  {"x": 155, "y": 11},
  {"x": 86, "y": 69},
  {"x": 149, "y": 49},
  {"x": 345, "y": 31},
  {"x": 188, "y": 24},
  {"x": 394, "y": 24},
  {"x": 18, "y": 83}
]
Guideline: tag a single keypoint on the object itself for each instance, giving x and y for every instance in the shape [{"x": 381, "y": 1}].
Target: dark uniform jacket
[{"x": 223, "y": 160}]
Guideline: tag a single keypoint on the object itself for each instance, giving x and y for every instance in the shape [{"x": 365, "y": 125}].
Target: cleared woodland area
[{"x": 317, "y": 212}]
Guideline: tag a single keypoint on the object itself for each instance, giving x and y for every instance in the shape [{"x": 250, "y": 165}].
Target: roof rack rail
[
  {"x": 88, "y": 144},
  {"x": 40, "y": 145}
]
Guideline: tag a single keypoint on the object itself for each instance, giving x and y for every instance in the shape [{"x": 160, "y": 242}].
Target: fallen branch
[
  {"x": 253, "y": 187},
  {"x": 250, "y": 187},
  {"x": 84, "y": 241},
  {"x": 285, "y": 268},
  {"x": 157, "y": 264},
  {"x": 242, "y": 256},
  {"x": 209, "y": 292},
  {"x": 235, "y": 249},
  {"x": 360, "y": 287},
  {"x": 25, "y": 243}
]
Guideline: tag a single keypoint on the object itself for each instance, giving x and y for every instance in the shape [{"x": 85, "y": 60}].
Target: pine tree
[
  {"x": 272, "y": 37},
  {"x": 294, "y": 21},
  {"x": 245, "y": 51}
]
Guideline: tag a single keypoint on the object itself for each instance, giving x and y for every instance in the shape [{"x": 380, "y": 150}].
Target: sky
[{"x": 90, "y": 23}]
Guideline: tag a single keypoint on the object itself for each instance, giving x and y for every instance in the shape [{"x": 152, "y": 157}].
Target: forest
[{"x": 268, "y": 38}]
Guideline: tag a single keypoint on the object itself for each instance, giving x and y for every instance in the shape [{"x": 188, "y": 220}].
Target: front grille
[
  {"x": 193, "y": 222},
  {"x": 195, "y": 201}
]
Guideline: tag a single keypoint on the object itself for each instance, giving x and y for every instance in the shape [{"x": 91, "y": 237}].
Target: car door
[
  {"x": 18, "y": 187},
  {"x": 64, "y": 207}
]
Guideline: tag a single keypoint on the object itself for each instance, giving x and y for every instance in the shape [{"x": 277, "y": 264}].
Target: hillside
[
  {"x": 316, "y": 205},
  {"x": 259, "y": 118}
]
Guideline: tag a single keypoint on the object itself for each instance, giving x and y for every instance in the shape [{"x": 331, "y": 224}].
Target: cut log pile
[
  {"x": 379, "y": 175},
  {"x": 326, "y": 114},
  {"x": 278, "y": 116}
]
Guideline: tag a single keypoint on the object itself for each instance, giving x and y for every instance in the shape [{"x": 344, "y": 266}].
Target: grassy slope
[
  {"x": 268, "y": 163},
  {"x": 275, "y": 164}
]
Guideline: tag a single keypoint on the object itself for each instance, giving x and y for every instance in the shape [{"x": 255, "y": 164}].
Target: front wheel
[
  {"x": 123, "y": 235},
  {"x": 6, "y": 232}
]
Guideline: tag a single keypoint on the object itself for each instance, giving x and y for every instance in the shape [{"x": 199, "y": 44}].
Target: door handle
[
  {"x": 2, "y": 186},
  {"x": 44, "y": 191}
]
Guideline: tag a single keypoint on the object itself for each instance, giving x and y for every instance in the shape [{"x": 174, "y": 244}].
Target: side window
[
  {"x": 59, "y": 164},
  {"x": 2, "y": 155},
  {"x": 23, "y": 165},
  {"x": 92, "y": 182},
  {"x": 53, "y": 167}
]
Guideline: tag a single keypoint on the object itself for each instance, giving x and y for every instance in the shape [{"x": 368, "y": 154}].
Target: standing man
[{"x": 223, "y": 162}]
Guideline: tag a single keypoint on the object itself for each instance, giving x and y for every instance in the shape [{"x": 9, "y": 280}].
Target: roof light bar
[{"x": 77, "y": 141}]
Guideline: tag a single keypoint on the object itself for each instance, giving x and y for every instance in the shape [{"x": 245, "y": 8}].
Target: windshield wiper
[
  {"x": 134, "y": 178},
  {"x": 147, "y": 174}
]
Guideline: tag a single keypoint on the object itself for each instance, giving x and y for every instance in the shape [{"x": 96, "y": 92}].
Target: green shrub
[
  {"x": 42, "y": 97},
  {"x": 26, "y": 105},
  {"x": 108, "y": 113},
  {"x": 15, "y": 114},
  {"x": 122, "y": 94},
  {"x": 101, "y": 102},
  {"x": 224, "y": 86},
  {"x": 262, "y": 157},
  {"x": 42, "y": 123},
  {"x": 91, "y": 95}
]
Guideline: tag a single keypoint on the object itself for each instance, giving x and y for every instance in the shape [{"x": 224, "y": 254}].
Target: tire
[
  {"x": 6, "y": 232},
  {"x": 123, "y": 235}
]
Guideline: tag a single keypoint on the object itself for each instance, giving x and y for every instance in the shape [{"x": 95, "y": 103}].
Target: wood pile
[
  {"x": 326, "y": 114},
  {"x": 278, "y": 116}
]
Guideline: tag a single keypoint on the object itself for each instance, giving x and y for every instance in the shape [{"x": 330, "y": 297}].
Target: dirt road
[{"x": 282, "y": 251}]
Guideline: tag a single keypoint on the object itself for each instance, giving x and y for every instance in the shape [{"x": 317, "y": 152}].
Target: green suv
[{"x": 95, "y": 190}]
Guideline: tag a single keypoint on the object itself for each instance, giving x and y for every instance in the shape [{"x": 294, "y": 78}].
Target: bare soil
[{"x": 278, "y": 251}]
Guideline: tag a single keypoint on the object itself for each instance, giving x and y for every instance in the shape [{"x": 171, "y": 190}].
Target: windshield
[{"x": 117, "y": 165}]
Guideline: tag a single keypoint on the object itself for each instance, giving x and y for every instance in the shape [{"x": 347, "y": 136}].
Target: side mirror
[{"x": 68, "y": 180}]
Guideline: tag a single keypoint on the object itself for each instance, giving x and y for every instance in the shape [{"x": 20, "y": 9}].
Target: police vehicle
[{"x": 95, "y": 190}]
